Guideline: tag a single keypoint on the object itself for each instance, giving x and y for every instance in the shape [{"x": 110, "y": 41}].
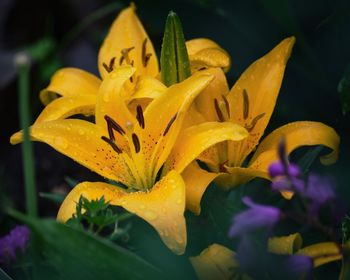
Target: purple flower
[
  {"x": 278, "y": 169},
  {"x": 286, "y": 184},
  {"x": 299, "y": 266},
  {"x": 17, "y": 238},
  {"x": 256, "y": 217}
]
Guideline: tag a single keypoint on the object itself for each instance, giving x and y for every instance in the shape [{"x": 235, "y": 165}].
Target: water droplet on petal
[
  {"x": 106, "y": 98},
  {"x": 150, "y": 215},
  {"x": 81, "y": 132},
  {"x": 61, "y": 142},
  {"x": 142, "y": 206},
  {"x": 179, "y": 201}
]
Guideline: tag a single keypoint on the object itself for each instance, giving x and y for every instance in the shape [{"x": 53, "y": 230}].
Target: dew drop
[
  {"x": 81, "y": 132},
  {"x": 150, "y": 215},
  {"x": 179, "y": 201},
  {"x": 61, "y": 142}
]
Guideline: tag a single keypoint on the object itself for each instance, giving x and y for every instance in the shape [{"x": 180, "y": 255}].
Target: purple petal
[{"x": 299, "y": 266}]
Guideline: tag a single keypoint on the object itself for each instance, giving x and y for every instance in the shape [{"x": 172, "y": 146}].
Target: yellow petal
[
  {"x": 196, "y": 180},
  {"x": 165, "y": 115},
  {"x": 261, "y": 82},
  {"x": 81, "y": 141},
  {"x": 163, "y": 207},
  {"x": 217, "y": 89},
  {"x": 322, "y": 253},
  {"x": 65, "y": 107},
  {"x": 216, "y": 262},
  {"x": 203, "y": 52},
  {"x": 110, "y": 100},
  {"x": 148, "y": 87},
  {"x": 236, "y": 176},
  {"x": 297, "y": 134},
  {"x": 69, "y": 82},
  {"x": 194, "y": 140},
  {"x": 127, "y": 32},
  {"x": 285, "y": 245}
]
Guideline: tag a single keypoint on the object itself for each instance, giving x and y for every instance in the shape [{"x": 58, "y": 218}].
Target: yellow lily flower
[
  {"x": 132, "y": 149},
  {"x": 250, "y": 103},
  {"x": 126, "y": 43}
]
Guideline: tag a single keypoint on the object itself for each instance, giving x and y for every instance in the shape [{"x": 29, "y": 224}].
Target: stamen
[
  {"x": 111, "y": 63},
  {"x": 112, "y": 124},
  {"x": 112, "y": 144},
  {"x": 251, "y": 126},
  {"x": 245, "y": 104},
  {"x": 125, "y": 55},
  {"x": 227, "y": 105},
  {"x": 145, "y": 56},
  {"x": 106, "y": 67},
  {"x": 169, "y": 124},
  {"x": 136, "y": 142},
  {"x": 218, "y": 111},
  {"x": 139, "y": 116}
]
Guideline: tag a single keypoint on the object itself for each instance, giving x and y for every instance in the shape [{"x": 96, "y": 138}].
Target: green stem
[{"x": 23, "y": 64}]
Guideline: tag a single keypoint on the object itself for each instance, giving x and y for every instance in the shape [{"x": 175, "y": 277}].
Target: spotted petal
[
  {"x": 69, "y": 82},
  {"x": 81, "y": 141},
  {"x": 163, "y": 207},
  {"x": 194, "y": 140},
  {"x": 127, "y": 32},
  {"x": 253, "y": 98}
]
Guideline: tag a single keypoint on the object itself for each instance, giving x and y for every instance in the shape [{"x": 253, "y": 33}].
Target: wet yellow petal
[
  {"x": 81, "y": 141},
  {"x": 297, "y": 134},
  {"x": 194, "y": 140},
  {"x": 216, "y": 262},
  {"x": 65, "y": 107},
  {"x": 164, "y": 116},
  {"x": 322, "y": 253},
  {"x": 196, "y": 180},
  {"x": 127, "y": 32},
  {"x": 69, "y": 82},
  {"x": 285, "y": 245},
  {"x": 148, "y": 87},
  {"x": 217, "y": 89},
  {"x": 254, "y": 95},
  {"x": 236, "y": 176},
  {"x": 163, "y": 207},
  {"x": 110, "y": 100},
  {"x": 203, "y": 52}
]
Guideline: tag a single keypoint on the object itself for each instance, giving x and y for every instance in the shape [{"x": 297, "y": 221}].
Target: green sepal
[{"x": 174, "y": 61}]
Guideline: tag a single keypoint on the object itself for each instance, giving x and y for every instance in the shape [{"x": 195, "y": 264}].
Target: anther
[
  {"x": 112, "y": 124},
  {"x": 218, "y": 111},
  {"x": 227, "y": 105},
  {"x": 251, "y": 126},
  {"x": 125, "y": 55},
  {"x": 109, "y": 68},
  {"x": 112, "y": 144},
  {"x": 136, "y": 142},
  {"x": 145, "y": 56},
  {"x": 169, "y": 124},
  {"x": 245, "y": 104},
  {"x": 139, "y": 116}
]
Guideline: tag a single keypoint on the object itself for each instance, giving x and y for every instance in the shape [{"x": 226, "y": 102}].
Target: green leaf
[
  {"x": 346, "y": 229},
  {"x": 344, "y": 90},
  {"x": 308, "y": 158},
  {"x": 41, "y": 48},
  {"x": 76, "y": 254},
  {"x": 345, "y": 270},
  {"x": 4, "y": 276},
  {"x": 55, "y": 197},
  {"x": 174, "y": 61}
]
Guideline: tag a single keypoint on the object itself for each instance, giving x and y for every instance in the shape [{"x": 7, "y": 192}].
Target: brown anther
[
  {"x": 245, "y": 104},
  {"x": 111, "y": 63},
  {"x": 251, "y": 126},
  {"x": 125, "y": 56},
  {"x": 106, "y": 67},
  {"x": 113, "y": 125},
  {"x": 169, "y": 124},
  {"x": 222, "y": 167},
  {"x": 139, "y": 116},
  {"x": 218, "y": 110},
  {"x": 145, "y": 56},
  {"x": 227, "y": 105},
  {"x": 112, "y": 144},
  {"x": 136, "y": 142},
  {"x": 202, "y": 68}
]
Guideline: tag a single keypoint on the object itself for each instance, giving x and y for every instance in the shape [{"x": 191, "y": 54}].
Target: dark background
[{"x": 64, "y": 33}]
